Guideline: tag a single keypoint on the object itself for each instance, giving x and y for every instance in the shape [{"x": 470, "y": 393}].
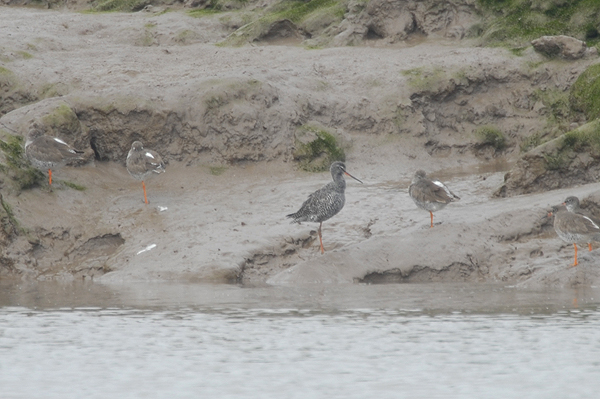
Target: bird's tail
[{"x": 293, "y": 216}]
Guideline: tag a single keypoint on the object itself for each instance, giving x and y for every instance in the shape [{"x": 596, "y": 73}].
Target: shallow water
[{"x": 354, "y": 341}]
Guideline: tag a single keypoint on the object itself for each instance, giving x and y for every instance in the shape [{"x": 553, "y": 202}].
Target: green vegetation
[
  {"x": 585, "y": 93},
  {"x": 296, "y": 12},
  {"x": 53, "y": 90},
  {"x": 6, "y": 72},
  {"x": 74, "y": 186},
  {"x": 555, "y": 161},
  {"x": 119, "y": 5},
  {"x": 490, "y": 135},
  {"x": 25, "y": 55},
  {"x": 530, "y": 142},
  {"x": 223, "y": 92},
  {"x": 557, "y": 101},
  {"x": 17, "y": 166},
  {"x": 317, "y": 149},
  {"x": 585, "y": 138},
  {"x": 559, "y": 152},
  {"x": 186, "y": 36},
  {"x": 203, "y": 12},
  {"x": 421, "y": 79},
  {"x": 217, "y": 6},
  {"x": 10, "y": 225},
  {"x": 515, "y": 22},
  {"x": 62, "y": 118},
  {"x": 217, "y": 170}
]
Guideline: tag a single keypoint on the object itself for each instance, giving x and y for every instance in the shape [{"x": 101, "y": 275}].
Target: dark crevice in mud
[
  {"x": 95, "y": 149},
  {"x": 455, "y": 272},
  {"x": 372, "y": 34}
]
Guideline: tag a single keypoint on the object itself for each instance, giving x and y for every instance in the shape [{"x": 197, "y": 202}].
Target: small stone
[{"x": 562, "y": 46}]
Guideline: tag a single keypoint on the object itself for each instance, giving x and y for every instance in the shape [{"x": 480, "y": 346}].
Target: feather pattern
[
  {"x": 327, "y": 201},
  {"x": 142, "y": 163},
  {"x": 430, "y": 195},
  {"x": 572, "y": 226},
  {"x": 47, "y": 153}
]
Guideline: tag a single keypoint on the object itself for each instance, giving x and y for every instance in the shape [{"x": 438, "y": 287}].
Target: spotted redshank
[{"x": 326, "y": 202}]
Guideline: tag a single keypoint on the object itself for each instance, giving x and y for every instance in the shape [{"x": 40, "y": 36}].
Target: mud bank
[{"x": 226, "y": 120}]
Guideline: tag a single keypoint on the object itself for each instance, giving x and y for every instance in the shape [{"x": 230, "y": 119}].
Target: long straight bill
[{"x": 353, "y": 177}]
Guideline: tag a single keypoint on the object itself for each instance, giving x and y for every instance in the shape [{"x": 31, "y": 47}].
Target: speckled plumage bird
[
  {"x": 574, "y": 227},
  {"x": 326, "y": 202},
  {"x": 49, "y": 153},
  {"x": 430, "y": 195},
  {"x": 143, "y": 163}
]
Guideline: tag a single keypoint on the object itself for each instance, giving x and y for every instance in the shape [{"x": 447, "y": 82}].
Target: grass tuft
[
  {"x": 318, "y": 149},
  {"x": 74, "y": 186},
  {"x": 217, "y": 170},
  {"x": 584, "y": 95},
  {"x": 490, "y": 135},
  {"x": 17, "y": 166},
  {"x": 516, "y": 22}
]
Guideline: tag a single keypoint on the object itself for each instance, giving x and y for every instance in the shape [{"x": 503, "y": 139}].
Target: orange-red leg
[
  {"x": 321, "y": 239},
  {"x": 145, "y": 197},
  {"x": 50, "y": 177},
  {"x": 431, "y": 214},
  {"x": 575, "y": 264},
  {"x": 590, "y": 246}
]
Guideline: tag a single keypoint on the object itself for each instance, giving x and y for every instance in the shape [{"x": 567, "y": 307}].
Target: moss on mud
[
  {"x": 514, "y": 22},
  {"x": 316, "y": 149},
  {"x": 490, "y": 135},
  {"x": 118, "y": 5},
  {"x": 296, "y": 12},
  {"x": 15, "y": 165},
  {"x": 63, "y": 118},
  {"x": 585, "y": 93},
  {"x": 585, "y": 138}
]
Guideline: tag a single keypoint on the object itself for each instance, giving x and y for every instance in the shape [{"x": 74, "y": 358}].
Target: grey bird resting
[
  {"x": 326, "y": 202},
  {"x": 573, "y": 226},
  {"x": 430, "y": 195},
  {"x": 143, "y": 163},
  {"x": 49, "y": 153}
]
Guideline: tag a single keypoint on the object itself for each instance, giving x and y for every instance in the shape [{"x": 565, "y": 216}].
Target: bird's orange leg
[
  {"x": 590, "y": 246},
  {"x": 575, "y": 264},
  {"x": 50, "y": 177},
  {"x": 145, "y": 198},
  {"x": 431, "y": 214},
  {"x": 321, "y": 239}
]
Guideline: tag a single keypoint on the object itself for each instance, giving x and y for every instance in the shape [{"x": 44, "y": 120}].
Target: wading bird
[
  {"x": 326, "y": 202},
  {"x": 430, "y": 195},
  {"x": 143, "y": 163}
]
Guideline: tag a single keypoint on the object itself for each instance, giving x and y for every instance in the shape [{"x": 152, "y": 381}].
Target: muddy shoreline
[{"x": 225, "y": 120}]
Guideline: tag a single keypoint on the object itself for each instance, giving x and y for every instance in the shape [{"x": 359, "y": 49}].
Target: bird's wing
[
  {"x": 153, "y": 161},
  {"x": 449, "y": 193}
]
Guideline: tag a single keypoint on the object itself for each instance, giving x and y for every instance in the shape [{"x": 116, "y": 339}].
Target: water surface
[{"x": 355, "y": 341}]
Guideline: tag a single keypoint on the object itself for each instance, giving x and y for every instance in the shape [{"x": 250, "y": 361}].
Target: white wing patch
[
  {"x": 592, "y": 222},
  {"x": 59, "y": 141},
  {"x": 442, "y": 185},
  {"x": 149, "y": 155}
]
